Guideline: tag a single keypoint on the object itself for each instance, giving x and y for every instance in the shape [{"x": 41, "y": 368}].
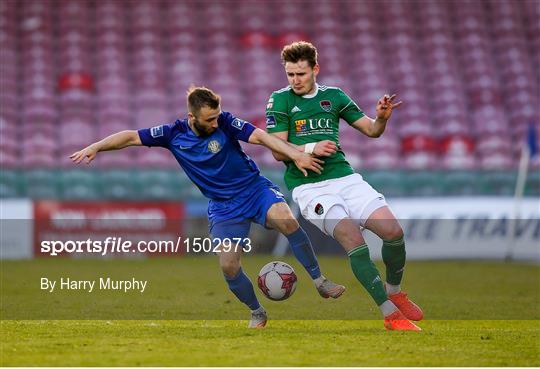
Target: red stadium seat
[
  {"x": 256, "y": 39},
  {"x": 457, "y": 145},
  {"x": 288, "y": 37},
  {"x": 418, "y": 142}
]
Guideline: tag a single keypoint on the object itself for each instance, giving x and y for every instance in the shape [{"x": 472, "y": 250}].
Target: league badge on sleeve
[
  {"x": 238, "y": 123},
  {"x": 156, "y": 132},
  {"x": 270, "y": 121}
]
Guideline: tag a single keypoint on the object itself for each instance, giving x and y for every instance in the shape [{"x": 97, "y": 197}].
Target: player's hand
[
  {"x": 89, "y": 152},
  {"x": 306, "y": 161},
  {"x": 385, "y": 106},
  {"x": 325, "y": 148}
]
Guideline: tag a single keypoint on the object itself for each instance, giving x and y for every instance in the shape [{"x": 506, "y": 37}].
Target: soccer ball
[{"x": 277, "y": 280}]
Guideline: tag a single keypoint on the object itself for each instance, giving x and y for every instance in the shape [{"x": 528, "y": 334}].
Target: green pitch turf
[{"x": 477, "y": 314}]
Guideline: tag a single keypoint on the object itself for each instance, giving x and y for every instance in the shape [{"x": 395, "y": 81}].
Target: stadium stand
[{"x": 75, "y": 71}]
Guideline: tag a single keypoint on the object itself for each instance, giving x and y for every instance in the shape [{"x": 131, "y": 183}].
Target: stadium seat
[
  {"x": 382, "y": 160},
  {"x": 126, "y": 158},
  {"x": 423, "y": 183},
  {"x": 498, "y": 183},
  {"x": 162, "y": 184},
  {"x": 460, "y": 183},
  {"x": 499, "y": 158},
  {"x": 10, "y": 183},
  {"x": 80, "y": 184},
  {"x": 38, "y": 159},
  {"x": 389, "y": 183},
  {"x": 532, "y": 187},
  {"x": 41, "y": 184},
  {"x": 451, "y": 161},
  {"x": 420, "y": 160},
  {"x": 493, "y": 142},
  {"x": 118, "y": 184}
]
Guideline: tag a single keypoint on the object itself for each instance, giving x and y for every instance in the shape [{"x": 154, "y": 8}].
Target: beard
[{"x": 202, "y": 130}]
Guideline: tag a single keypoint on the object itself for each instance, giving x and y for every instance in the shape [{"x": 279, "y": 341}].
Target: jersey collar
[{"x": 309, "y": 96}]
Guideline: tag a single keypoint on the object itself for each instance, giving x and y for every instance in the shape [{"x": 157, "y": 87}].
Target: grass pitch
[{"x": 477, "y": 314}]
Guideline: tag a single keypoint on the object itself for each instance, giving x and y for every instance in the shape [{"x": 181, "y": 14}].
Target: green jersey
[{"x": 312, "y": 118}]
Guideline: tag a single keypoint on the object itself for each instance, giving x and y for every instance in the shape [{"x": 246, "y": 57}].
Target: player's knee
[
  {"x": 352, "y": 239},
  {"x": 393, "y": 231},
  {"x": 283, "y": 220},
  {"x": 289, "y": 226},
  {"x": 230, "y": 267}
]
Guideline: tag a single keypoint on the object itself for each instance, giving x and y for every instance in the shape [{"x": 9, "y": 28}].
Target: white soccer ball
[{"x": 277, "y": 280}]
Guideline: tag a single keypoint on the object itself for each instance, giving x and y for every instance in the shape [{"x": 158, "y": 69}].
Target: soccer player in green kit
[{"x": 338, "y": 201}]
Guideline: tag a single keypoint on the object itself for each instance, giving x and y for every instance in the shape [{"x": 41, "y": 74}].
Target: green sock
[
  {"x": 366, "y": 272},
  {"x": 393, "y": 255}
]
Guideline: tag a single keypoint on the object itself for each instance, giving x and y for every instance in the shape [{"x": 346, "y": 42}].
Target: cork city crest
[
  {"x": 326, "y": 105},
  {"x": 214, "y": 146}
]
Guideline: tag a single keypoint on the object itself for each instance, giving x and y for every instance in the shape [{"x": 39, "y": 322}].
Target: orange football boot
[
  {"x": 406, "y": 306},
  {"x": 398, "y": 322}
]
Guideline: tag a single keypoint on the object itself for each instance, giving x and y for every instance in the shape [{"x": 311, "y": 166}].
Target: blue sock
[
  {"x": 302, "y": 250},
  {"x": 241, "y": 286}
]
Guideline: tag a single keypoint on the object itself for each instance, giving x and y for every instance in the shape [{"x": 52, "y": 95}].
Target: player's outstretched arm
[
  {"x": 113, "y": 142},
  {"x": 302, "y": 160},
  {"x": 375, "y": 127},
  {"x": 321, "y": 148}
]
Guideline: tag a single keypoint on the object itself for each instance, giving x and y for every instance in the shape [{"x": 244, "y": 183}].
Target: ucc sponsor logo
[{"x": 303, "y": 125}]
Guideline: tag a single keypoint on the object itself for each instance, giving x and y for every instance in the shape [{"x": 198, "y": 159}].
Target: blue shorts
[{"x": 232, "y": 218}]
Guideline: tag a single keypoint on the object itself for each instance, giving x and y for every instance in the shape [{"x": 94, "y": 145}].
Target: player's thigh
[
  {"x": 316, "y": 206},
  {"x": 384, "y": 224},
  {"x": 265, "y": 200},
  {"x": 280, "y": 217},
  {"x": 361, "y": 199}
]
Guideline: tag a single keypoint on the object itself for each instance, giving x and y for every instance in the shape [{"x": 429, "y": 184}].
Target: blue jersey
[{"x": 215, "y": 163}]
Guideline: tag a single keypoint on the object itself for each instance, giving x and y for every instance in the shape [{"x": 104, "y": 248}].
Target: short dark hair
[
  {"x": 300, "y": 50},
  {"x": 197, "y": 97}
]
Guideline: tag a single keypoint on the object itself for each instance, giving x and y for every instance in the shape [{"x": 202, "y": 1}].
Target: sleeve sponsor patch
[
  {"x": 238, "y": 123},
  {"x": 270, "y": 121},
  {"x": 156, "y": 132}
]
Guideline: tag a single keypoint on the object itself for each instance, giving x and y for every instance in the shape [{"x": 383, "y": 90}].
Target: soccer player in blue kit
[{"x": 206, "y": 146}]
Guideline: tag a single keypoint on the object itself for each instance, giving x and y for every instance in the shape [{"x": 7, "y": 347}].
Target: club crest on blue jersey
[
  {"x": 214, "y": 146},
  {"x": 238, "y": 123},
  {"x": 156, "y": 131},
  {"x": 270, "y": 121}
]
